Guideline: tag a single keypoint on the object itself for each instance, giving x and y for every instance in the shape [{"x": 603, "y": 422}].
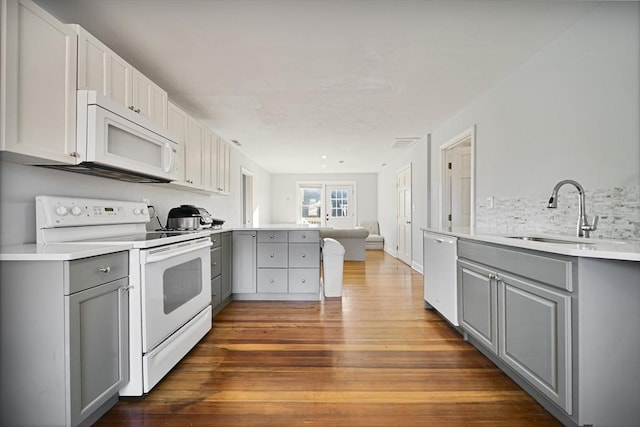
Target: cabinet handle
[
  {"x": 271, "y": 281},
  {"x": 272, "y": 255},
  {"x": 304, "y": 236},
  {"x": 272, "y": 236},
  {"x": 131, "y": 107},
  {"x": 304, "y": 280},
  {"x": 215, "y": 264},
  {"x": 304, "y": 255},
  {"x": 215, "y": 240},
  {"x": 104, "y": 270},
  {"x": 126, "y": 288}
]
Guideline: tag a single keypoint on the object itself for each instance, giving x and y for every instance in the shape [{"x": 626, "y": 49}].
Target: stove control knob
[
  {"x": 76, "y": 211},
  {"x": 144, "y": 211},
  {"x": 62, "y": 210},
  {"x": 136, "y": 211}
]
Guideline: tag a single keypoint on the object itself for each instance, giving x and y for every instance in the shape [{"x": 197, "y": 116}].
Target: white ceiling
[{"x": 293, "y": 80}]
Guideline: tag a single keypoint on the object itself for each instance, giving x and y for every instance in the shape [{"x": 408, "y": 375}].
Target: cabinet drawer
[
  {"x": 553, "y": 270},
  {"x": 304, "y": 280},
  {"x": 304, "y": 255},
  {"x": 86, "y": 273},
  {"x": 272, "y": 255},
  {"x": 216, "y": 291},
  {"x": 272, "y": 280},
  {"x": 216, "y": 262},
  {"x": 279, "y": 236},
  {"x": 304, "y": 236},
  {"x": 216, "y": 240}
]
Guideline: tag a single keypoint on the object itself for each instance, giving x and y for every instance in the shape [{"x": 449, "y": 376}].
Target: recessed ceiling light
[
  {"x": 323, "y": 157},
  {"x": 324, "y": 166}
]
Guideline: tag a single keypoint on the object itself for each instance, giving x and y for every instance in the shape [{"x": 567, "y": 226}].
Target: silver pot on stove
[{"x": 188, "y": 217}]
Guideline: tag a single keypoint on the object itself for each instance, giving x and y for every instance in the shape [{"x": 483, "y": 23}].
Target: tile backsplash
[{"x": 618, "y": 209}]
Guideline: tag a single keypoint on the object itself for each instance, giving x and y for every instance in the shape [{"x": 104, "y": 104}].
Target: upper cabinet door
[
  {"x": 101, "y": 69},
  {"x": 178, "y": 124},
  {"x": 38, "y": 117},
  {"x": 149, "y": 99}
]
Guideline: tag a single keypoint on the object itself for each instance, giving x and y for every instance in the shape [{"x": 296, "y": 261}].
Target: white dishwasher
[{"x": 440, "y": 284}]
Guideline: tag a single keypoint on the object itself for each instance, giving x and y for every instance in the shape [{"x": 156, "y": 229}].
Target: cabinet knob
[
  {"x": 126, "y": 288},
  {"x": 272, "y": 255},
  {"x": 304, "y": 280},
  {"x": 271, "y": 281},
  {"x": 215, "y": 263},
  {"x": 137, "y": 110},
  {"x": 304, "y": 236},
  {"x": 104, "y": 270},
  {"x": 304, "y": 255},
  {"x": 272, "y": 236}
]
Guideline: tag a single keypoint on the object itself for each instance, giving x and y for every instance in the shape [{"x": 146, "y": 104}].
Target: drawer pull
[
  {"x": 215, "y": 264},
  {"x": 271, "y": 281},
  {"x": 304, "y": 255},
  {"x": 304, "y": 280},
  {"x": 304, "y": 236},
  {"x": 272, "y": 236},
  {"x": 272, "y": 255},
  {"x": 104, "y": 270}
]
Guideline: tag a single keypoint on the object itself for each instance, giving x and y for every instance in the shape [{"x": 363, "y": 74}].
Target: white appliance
[
  {"x": 440, "y": 277},
  {"x": 115, "y": 142},
  {"x": 169, "y": 278}
]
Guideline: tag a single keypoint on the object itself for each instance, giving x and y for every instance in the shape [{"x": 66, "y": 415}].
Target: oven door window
[
  {"x": 181, "y": 283},
  {"x": 174, "y": 290}
]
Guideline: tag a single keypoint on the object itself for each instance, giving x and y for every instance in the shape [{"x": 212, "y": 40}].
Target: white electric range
[{"x": 169, "y": 278}]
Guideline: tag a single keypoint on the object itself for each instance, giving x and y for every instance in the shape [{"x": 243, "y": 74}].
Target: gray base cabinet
[
  {"x": 220, "y": 271},
  {"x": 276, "y": 265},
  {"x": 564, "y": 328},
  {"x": 64, "y": 339}
]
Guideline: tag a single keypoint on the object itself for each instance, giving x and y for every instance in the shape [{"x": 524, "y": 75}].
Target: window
[{"x": 310, "y": 204}]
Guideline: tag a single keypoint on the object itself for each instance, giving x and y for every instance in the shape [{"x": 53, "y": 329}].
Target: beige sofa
[
  {"x": 353, "y": 240},
  {"x": 374, "y": 240}
]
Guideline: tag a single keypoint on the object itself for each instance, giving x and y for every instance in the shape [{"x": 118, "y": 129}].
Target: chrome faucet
[{"x": 584, "y": 227}]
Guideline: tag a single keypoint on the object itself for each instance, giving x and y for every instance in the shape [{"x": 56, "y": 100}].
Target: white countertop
[
  {"x": 626, "y": 250},
  {"x": 57, "y": 251}
]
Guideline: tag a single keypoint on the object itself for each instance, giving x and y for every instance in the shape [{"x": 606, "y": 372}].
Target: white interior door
[
  {"x": 403, "y": 184},
  {"x": 340, "y": 206},
  {"x": 457, "y": 194}
]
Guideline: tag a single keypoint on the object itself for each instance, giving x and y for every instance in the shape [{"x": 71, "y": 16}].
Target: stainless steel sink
[{"x": 551, "y": 240}]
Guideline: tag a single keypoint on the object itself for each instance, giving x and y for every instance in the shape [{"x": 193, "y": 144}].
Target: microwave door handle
[
  {"x": 161, "y": 256},
  {"x": 168, "y": 157}
]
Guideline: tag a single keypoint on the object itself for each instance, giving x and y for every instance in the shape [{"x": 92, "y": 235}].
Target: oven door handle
[{"x": 161, "y": 256}]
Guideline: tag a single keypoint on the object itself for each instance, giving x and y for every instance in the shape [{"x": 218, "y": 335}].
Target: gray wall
[
  {"x": 20, "y": 184},
  {"x": 570, "y": 111},
  {"x": 283, "y": 189}
]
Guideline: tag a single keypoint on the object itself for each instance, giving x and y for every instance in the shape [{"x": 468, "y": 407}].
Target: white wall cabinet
[
  {"x": 38, "y": 97},
  {"x": 178, "y": 124},
  {"x": 223, "y": 167},
  {"x": 64, "y": 336},
  {"x": 101, "y": 69}
]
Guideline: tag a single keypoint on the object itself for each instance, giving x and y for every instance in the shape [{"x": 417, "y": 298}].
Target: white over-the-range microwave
[{"x": 116, "y": 142}]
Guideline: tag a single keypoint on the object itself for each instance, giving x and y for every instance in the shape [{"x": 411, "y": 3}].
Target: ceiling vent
[{"x": 404, "y": 142}]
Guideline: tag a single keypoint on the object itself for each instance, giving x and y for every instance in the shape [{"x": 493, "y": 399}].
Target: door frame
[
  {"x": 467, "y": 135},
  {"x": 248, "y": 214}
]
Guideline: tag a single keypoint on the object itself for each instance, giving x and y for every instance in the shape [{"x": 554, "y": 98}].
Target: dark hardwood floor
[{"x": 374, "y": 358}]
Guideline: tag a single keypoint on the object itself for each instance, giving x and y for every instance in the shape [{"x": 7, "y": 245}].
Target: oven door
[{"x": 176, "y": 285}]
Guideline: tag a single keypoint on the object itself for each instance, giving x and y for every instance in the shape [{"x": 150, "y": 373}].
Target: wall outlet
[{"x": 491, "y": 201}]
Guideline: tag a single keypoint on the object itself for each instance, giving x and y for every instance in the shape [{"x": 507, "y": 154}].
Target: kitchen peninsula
[
  {"x": 542, "y": 308},
  {"x": 276, "y": 262}
]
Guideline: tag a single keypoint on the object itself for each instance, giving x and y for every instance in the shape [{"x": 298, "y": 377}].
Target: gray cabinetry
[
  {"x": 478, "y": 303},
  {"x": 64, "y": 339},
  {"x": 227, "y": 269},
  {"x": 244, "y": 262},
  {"x": 534, "y": 329},
  {"x": 517, "y": 304},
  {"x": 287, "y": 266}
]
